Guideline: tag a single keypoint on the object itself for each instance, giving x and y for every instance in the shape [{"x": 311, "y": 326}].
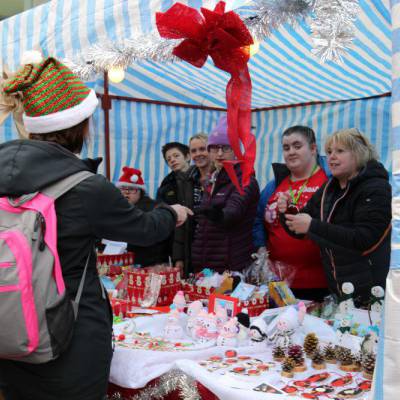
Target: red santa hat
[{"x": 131, "y": 177}]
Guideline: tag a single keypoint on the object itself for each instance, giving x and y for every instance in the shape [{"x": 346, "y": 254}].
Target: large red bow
[{"x": 224, "y": 37}]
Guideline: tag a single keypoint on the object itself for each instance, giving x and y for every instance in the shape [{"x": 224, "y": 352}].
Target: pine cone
[
  {"x": 318, "y": 357},
  {"x": 357, "y": 359},
  {"x": 329, "y": 352},
  {"x": 310, "y": 344},
  {"x": 278, "y": 353},
  {"x": 288, "y": 364},
  {"x": 368, "y": 363},
  {"x": 344, "y": 356},
  {"x": 296, "y": 353}
]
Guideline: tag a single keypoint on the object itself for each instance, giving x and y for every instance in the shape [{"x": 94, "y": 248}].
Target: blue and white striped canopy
[{"x": 283, "y": 72}]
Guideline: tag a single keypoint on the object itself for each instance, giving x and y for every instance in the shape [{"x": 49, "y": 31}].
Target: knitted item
[
  {"x": 310, "y": 344},
  {"x": 131, "y": 177},
  {"x": 53, "y": 97},
  {"x": 219, "y": 135}
]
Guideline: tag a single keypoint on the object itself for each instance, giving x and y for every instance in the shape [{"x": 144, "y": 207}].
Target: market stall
[{"x": 170, "y": 101}]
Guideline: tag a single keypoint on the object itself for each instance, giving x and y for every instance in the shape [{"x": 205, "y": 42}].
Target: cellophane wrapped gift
[{"x": 139, "y": 278}]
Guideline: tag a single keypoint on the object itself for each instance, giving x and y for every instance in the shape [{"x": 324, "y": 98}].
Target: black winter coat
[
  {"x": 352, "y": 228},
  {"x": 91, "y": 210}
]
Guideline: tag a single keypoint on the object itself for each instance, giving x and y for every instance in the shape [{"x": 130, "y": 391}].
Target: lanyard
[{"x": 296, "y": 198}]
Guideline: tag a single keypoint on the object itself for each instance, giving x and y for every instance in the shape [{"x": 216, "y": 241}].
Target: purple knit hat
[{"x": 219, "y": 135}]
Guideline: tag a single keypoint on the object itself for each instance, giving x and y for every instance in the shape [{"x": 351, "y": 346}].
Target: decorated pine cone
[
  {"x": 278, "y": 353},
  {"x": 288, "y": 364},
  {"x": 368, "y": 363},
  {"x": 310, "y": 344},
  {"x": 344, "y": 356},
  {"x": 296, "y": 353},
  {"x": 329, "y": 352},
  {"x": 318, "y": 357},
  {"x": 357, "y": 359}
]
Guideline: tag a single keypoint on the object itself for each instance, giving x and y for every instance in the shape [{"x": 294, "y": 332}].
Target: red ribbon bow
[{"x": 224, "y": 37}]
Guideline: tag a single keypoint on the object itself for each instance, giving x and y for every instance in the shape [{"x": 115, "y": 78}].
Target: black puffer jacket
[
  {"x": 93, "y": 209},
  {"x": 352, "y": 228}
]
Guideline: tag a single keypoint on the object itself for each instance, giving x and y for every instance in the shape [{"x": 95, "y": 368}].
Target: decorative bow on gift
[{"x": 225, "y": 38}]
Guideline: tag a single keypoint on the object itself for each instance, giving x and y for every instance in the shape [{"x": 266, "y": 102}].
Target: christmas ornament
[
  {"x": 295, "y": 352},
  {"x": 368, "y": 365},
  {"x": 345, "y": 359},
  {"x": 278, "y": 353},
  {"x": 288, "y": 365},
  {"x": 349, "y": 393},
  {"x": 343, "y": 381},
  {"x": 318, "y": 361},
  {"x": 329, "y": 354},
  {"x": 310, "y": 344}
]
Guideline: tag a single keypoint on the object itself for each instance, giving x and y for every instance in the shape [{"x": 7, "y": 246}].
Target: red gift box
[
  {"x": 193, "y": 292},
  {"x": 139, "y": 277},
  {"x": 116, "y": 259},
  {"x": 120, "y": 307},
  {"x": 255, "y": 306}
]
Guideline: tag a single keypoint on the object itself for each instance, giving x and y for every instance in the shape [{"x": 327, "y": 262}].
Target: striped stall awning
[{"x": 283, "y": 72}]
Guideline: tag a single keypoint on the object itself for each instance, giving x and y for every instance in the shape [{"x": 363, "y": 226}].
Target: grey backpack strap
[
  {"x": 75, "y": 302},
  {"x": 61, "y": 187}
]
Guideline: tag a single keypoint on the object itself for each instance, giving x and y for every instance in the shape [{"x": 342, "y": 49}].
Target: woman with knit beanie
[{"x": 57, "y": 106}]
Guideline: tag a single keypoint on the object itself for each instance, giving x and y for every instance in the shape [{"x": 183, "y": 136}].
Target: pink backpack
[{"x": 37, "y": 317}]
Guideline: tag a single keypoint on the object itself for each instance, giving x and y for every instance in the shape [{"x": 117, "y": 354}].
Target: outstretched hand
[
  {"x": 299, "y": 223},
  {"x": 182, "y": 212}
]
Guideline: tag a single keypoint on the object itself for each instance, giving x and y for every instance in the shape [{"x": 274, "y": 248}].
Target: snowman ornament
[
  {"x": 377, "y": 298},
  {"x": 346, "y": 302}
]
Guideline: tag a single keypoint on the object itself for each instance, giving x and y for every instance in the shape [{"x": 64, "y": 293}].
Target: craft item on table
[
  {"x": 349, "y": 393},
  {"x": 290, "y": 390},
  {"x": 228, "y": 334},
  {"x": 281, "y": 329},
  {"x": 129, "y": 329},
  {"x": 226, "y": 285},
  {"x": 258, "y": 330},
  {"x": 370, "y": 341},
  {"x": 243, "y": 291},
  {"x": 310, "y": 344},
  {"x": 343, "y": 381},
  {"x": 317, "y": 391},
  {"x": 318, "y": 360},
  {"x": 243, "y": 325},
  {"x": 345, "y": 359},
  {"x": 288, "y": 365},
  {"x": 346, "y": 302},
  {"x": 357, "y": 361},
  {"x": 231, "y": 304},
  {"x": 267, "y": 388},
  {"x": 221, "y": 315},
  {"x": 151, "y": 291},
  {"x": 343, "y": 333},
  {"x": 281, "y": 293},
  {"x": 179, "y": 301},
  {"x": 193, "y": 310},
  {"x": 259, "y": 272},
  {"x": 230, "y": 353},
  {"x": 328, "y": 308},
  {"x": 365, "y": 385},
  {"x": 206, "y": 331},
  {"x": 208, "y": 278},
  {"x": 376, "y": 304},
  {"x": 173, "y": 328},
  {"x": 295, "y": 352},
  {"x": 278, "y": 353},
  {"x": 368, "y": 365},
  {"x": 329, "y": 354}
]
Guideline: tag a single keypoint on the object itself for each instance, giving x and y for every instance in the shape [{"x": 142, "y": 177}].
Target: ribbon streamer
[{"x": 225, "y": 38}]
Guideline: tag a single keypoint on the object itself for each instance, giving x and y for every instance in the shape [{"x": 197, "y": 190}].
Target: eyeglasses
[
  {"x": 214, "y": 148},
  {"x": 129, "y": 189}
]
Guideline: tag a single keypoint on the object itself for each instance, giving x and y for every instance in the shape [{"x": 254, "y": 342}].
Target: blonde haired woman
[{"x": 349, "y": 217}]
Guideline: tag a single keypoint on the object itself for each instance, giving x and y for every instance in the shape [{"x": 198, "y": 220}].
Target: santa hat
[
  {"x": 219, "y": 135},
  {"x": 131, "y": 177},
  {"x": 54, "y": 98}
]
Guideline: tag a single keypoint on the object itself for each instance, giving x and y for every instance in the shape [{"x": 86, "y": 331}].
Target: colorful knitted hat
[
  {"x": 131, "y": 177},
  {"x": 219, "y": 135},
  {"x": 54, "y": 98}
]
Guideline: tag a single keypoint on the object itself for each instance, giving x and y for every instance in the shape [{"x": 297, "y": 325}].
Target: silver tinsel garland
[
  {"x": 168, "y": 382},
  {"x": 332, "y": 28}
]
